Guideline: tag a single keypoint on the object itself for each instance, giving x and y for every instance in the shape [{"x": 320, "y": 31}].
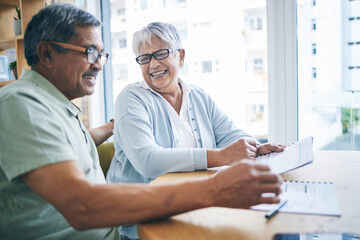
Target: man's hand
[
  {"x": 266, "y": 148},
  {"x": 242, "y": 185}
]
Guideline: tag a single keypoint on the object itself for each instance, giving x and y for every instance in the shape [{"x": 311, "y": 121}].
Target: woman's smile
[{"x": 159, "y": 73}]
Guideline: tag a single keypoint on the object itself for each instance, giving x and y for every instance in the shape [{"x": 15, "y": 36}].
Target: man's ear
[{"x": 45, "y": 53}]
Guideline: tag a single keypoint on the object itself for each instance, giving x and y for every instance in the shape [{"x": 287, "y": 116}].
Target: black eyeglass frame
[
  {"x": 168, "y": 51},
  {"x": 87, "y": 51}
]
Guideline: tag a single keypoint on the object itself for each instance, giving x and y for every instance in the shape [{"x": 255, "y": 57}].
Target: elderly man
[{"x": 51, "y": 183}]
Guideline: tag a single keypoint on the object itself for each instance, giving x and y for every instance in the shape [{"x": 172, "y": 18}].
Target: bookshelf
[{"x": 8, "y": 39}]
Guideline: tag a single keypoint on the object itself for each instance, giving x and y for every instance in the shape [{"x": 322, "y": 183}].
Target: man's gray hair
[
  {"x": 55, "y": 22},
  {"x": 166, "y": 32}
]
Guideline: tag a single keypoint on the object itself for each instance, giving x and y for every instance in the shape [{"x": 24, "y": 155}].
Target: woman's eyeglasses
[
  {"x": 158, "y": 55},
  {"x": 91, "y": 53}
]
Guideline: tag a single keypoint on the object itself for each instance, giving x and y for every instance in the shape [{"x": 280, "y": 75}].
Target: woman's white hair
[{"x": 166, "y": 32}]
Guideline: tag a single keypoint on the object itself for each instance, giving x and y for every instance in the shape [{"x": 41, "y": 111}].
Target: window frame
[
  {"x": 107, "y": 71},
  {"x": 282, "y": 71}
]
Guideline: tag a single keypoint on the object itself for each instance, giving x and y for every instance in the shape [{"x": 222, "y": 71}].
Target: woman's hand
[
  {"x": 266, "y": 148},
  {"x": 244, "y": 148}
]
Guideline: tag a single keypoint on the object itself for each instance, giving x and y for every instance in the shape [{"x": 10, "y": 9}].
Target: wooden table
[{"x": 340, "y": 167}]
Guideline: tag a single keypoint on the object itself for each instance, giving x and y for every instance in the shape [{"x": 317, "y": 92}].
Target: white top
[{"x": 180, "y": 123}]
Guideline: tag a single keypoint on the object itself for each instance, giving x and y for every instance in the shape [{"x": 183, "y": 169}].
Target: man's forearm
[
  {"x": 86, "y": 205},
  {"x": 114, "y": 204}
]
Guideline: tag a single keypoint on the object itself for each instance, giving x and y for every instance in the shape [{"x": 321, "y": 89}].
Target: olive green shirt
[{"x": 40, "y": 126}]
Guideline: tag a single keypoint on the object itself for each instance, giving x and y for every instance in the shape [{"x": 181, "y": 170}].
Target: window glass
[
  {"x": 328, "y": 77},
  {"x": 226, "y": 51},
  {"x": 86, "y": 103}
]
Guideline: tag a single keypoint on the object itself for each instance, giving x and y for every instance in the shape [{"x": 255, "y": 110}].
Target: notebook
[
  {"x": 307, "y": 197},
  {"x": 294, "y": 156}
]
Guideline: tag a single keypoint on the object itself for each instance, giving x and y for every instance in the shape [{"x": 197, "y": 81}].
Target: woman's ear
[
  {"x": 45, "y": 53},
  {"x": 182, "y": 57}
]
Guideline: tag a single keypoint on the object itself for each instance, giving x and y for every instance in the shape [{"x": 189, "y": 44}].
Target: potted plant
[
  {"x": 13, "y": 68},
  {"x": 17, "y": 22}
]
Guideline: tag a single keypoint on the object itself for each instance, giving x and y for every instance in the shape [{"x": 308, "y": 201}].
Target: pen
[{"x": 275, "y": 210}]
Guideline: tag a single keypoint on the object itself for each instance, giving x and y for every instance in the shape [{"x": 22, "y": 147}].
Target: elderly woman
[{"x": 163, "y": 124}]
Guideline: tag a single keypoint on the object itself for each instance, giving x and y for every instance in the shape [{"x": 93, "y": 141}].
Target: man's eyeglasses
[
  {"x": 91, "y": 53},
  {"x": 158, "y": 55}
]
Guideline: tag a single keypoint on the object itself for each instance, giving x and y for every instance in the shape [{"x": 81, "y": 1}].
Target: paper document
[
  {"x": 294, "y": 156},
  {"x": 307, "y": 197}
]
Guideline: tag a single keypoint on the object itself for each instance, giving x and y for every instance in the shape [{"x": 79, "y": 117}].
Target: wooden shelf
[
  {"x": 8, "y": 40},
  {"x": 14, "y": 3}
]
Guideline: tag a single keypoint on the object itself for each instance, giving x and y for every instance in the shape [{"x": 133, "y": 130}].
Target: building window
[
  {"x": 121, "y": 36},
  {"x": 313, "y": 24},
  {"x": 258, "y": 64},
  {"x": 181, "y": 26},
  {"x": 314, "y": 48},
  {"x": 259, "y": 23},
  {"x": 206, "y": 66},
  {"x": 121, "y": 72},
  {"x": 314, "y": 73},
  {"x": 255, "y": 23},
  {"x": 255, "y": 112},
  {"x": 141, "y": 4},
  {"x": 122, "y": 43},
  {"x": 120, "y": 12},
  {"x": 217, "y": 66}
]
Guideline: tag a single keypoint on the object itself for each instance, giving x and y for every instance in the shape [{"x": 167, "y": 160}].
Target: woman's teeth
[{"x": 158, "y": 73}]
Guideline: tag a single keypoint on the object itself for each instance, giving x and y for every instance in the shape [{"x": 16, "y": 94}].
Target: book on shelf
[{"x": 4, "y": 69}]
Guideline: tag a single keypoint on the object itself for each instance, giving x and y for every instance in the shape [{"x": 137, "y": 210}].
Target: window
[
  {"x": 206, "y": 66},
  {"x": 120, "y": 12},
  {"x": 259, "y": 23},
  {"x": 328, "y": 109},
  {"x": 258, "y": 64},
  {"x": 215, "y": 54},
  {"x": 299, "y": 105},
  {"x": 314, "y": 73},
  {"x": 313, "y": 24},
  {"x": 314, "y": 48},
  {"x": 140, "y": 5},
  {"x": 122, "y": 43},
  {"x": 255, "y": 23}
]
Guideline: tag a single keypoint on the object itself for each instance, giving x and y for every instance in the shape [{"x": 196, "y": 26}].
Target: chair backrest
[{"x": 106, "y": 152}]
